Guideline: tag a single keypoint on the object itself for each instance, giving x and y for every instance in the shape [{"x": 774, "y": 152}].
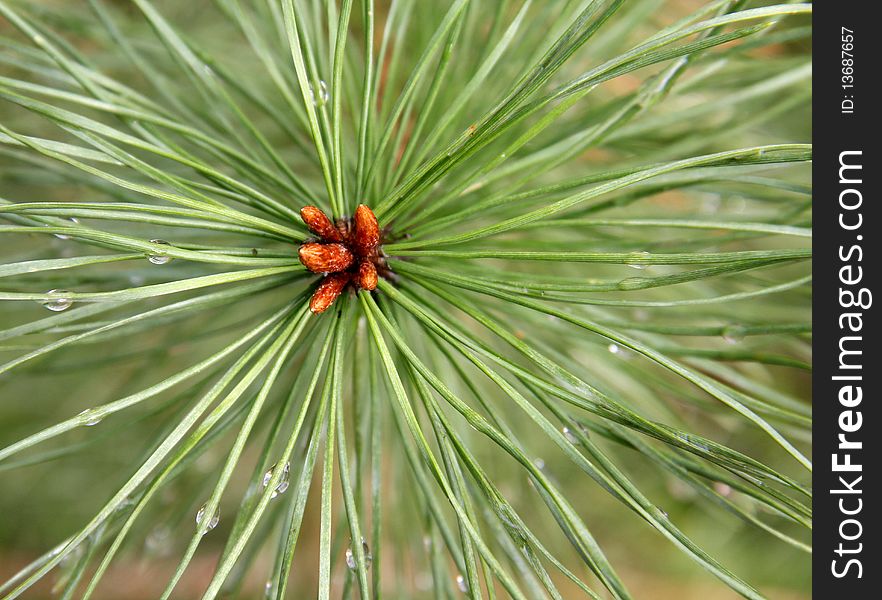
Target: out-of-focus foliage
[{"x": 589, "y": 376}]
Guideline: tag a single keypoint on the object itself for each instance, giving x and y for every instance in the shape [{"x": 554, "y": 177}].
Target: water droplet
[
  {"x": 351, "y": 560},
  {"x": 540, "y": 464},
  {"x": 462, "y": 584},
  {"x": 635, "y": 260},
  {"x": 268, "y": 589},
  {"x": 571, "y": 438},
  {"x": 323, "y": 94},
  {"x": 212, "y": 523},
  {"x": 159, "y": 258},
  {"x": 268, "y": 475},
  {"x": 620, "y": 351},
  {"x": 283, "y": 482},
  {"x": 63, "y": 236},
  {"x": 734, "y": 333},
  {"x": 58, "y": 300},
  {"x": 90, "y": 417}
]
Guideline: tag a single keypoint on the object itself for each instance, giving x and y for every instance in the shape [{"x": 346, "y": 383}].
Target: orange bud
[
  {"x": 367, "y": 231},
  {"x": 367, "y": 275},
  {"x": 319, "y": 223},
  {"x": 328, "y": 290},
  {"x": 326, "y": 258}
]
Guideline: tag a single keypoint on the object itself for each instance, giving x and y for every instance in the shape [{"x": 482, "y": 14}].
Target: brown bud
[
  {"x": 319, "y": 223},
  {"x": 326, "y": 258},
  {"x": 328, "y": 290},
  {"x": 367, "y": 231},
  {"x": 367, "y": 275},
  {"x": 344, "y": 228}
]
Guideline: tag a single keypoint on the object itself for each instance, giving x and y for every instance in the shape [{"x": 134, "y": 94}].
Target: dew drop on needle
[
  {"x": 620, "y": 351},
  {"x": 283, "y": 482},
  {"x": 212, "y": 523},
  {"x": 64, "y": 236},
  {"x": 91, "y": 417},
  {"x": 636, "y": 259},
  {"x": 733, "y": 334},
  {"x": 320, "y": 99},
  {"x": 159, "y": 258},
  {"x": 58, "y": 300},
  {"x": 351, "y": 559}
]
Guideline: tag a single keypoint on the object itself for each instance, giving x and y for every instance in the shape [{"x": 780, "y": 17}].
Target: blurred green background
[{"x": 46, "y": 496}]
